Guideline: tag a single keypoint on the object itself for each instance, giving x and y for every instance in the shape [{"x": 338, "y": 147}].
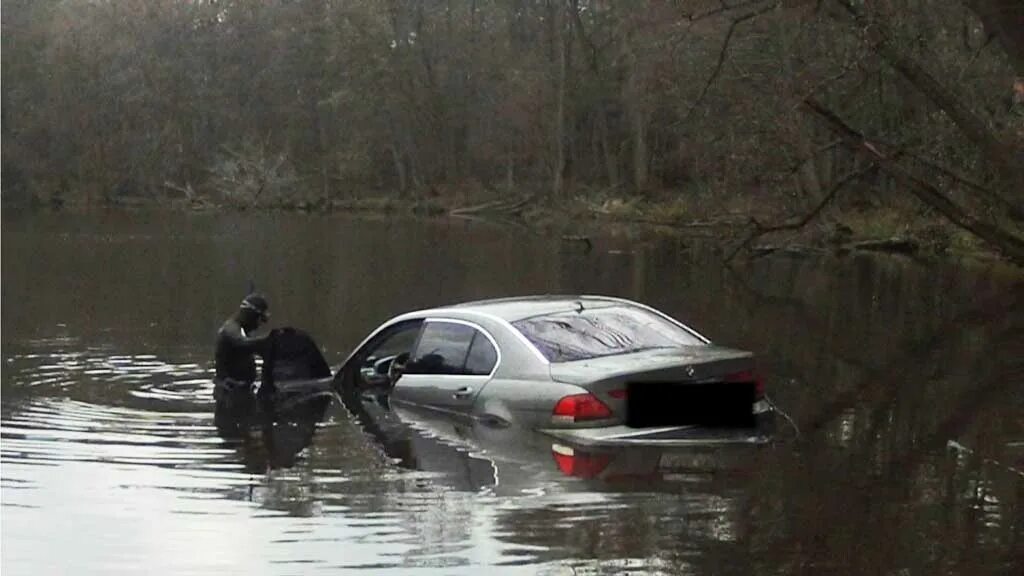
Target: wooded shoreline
[
  {"x": 836, "y": 120},
  {"x": 736, "y": 234}
]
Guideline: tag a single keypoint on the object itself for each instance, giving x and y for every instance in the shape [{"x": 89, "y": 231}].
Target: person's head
[{"x": 253, "y": 311}]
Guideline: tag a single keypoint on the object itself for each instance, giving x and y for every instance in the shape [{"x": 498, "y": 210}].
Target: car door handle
[{"x": 463, "y": 392}]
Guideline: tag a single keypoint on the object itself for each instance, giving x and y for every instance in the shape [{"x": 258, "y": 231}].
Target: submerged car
[{"x": 592, "y": 370}]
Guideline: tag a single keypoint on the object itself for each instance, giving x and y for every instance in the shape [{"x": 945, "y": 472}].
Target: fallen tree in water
[{"x": 504, "y": 206}]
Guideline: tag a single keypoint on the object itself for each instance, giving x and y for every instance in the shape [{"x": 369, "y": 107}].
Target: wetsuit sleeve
[{"x": 239, "y": 341}]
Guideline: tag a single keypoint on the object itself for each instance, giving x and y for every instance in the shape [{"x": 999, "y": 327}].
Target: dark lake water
[{"x": 905, "y": 380}]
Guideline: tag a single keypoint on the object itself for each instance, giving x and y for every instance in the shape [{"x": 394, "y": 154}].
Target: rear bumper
[{"x": 668, "y": 436}]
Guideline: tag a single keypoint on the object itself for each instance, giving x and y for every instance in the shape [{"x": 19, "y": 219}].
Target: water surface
[{"x": 904, "y": 378}]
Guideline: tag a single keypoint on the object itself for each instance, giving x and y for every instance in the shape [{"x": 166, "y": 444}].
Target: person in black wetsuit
[{"x": 236, "y": 352}]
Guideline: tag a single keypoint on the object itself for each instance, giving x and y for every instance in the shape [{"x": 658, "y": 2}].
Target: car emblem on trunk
[{"x": 690, "y": 371}]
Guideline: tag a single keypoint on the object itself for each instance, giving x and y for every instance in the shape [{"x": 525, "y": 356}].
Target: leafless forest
[{"x": 780, "y": 109}]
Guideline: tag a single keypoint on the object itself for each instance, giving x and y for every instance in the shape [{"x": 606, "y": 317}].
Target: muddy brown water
[{"x": 905, "y": 380}]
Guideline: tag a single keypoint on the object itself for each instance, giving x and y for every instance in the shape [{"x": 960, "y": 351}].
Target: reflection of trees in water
[
  {"x": 889, "y": 360},
  {"x": 873, "y": 488},
  {"x": 699, "y": 529},
  {"x": 864, "y": 514}
]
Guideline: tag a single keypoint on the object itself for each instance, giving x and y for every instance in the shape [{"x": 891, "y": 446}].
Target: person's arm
[{"x": 239, "y": 340}]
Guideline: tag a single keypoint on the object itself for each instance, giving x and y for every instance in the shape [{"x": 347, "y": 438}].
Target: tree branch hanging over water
[{"x": 1004, "y": 241}]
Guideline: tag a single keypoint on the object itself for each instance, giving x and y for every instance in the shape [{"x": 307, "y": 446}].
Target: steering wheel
[{"x": 397, "y": 367}]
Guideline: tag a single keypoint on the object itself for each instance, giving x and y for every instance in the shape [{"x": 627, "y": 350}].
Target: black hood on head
[{"x": 257, "y": 303}]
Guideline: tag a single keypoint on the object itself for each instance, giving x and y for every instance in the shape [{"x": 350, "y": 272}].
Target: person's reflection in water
[
  {"x": 283, "y": 436},
  {"x": 269, "y": 428}
]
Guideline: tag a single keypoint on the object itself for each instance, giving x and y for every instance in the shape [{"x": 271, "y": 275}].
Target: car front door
[
  {"x": 370, "y": 368},
  {"x": 452, "y": 362}
]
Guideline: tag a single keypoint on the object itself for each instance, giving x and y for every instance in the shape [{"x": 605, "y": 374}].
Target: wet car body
[
  {"x": 589, "y": 370},
  {"x": 474, "y": 455}
]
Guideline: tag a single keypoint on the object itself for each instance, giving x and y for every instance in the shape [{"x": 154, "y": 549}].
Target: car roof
[{"x": 520, "y": 307}]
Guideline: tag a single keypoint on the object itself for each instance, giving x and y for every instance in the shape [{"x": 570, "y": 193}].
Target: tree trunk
[
  {"x": 1005, "y": 20},
  {"x": 413, "y": 170},
  {"x": 1006, "y": 155},
  {"x": 611, "y": 160},
  {"x": 396, "y": 157},
  {"x": 557, "y": 181},
  {"x": 640, "y": 171},
  {"x": 510, "y": 180},
  {"x": 632, "y": 99}
]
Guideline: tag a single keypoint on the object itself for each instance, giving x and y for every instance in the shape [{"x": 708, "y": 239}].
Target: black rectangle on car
[{"x": 714, "y": 404}]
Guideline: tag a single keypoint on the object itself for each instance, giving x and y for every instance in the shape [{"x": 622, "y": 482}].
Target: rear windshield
[{"x": 568, "y": 336}]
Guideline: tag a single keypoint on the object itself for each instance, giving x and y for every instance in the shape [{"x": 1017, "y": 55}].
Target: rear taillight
[
  {"x": 748, "y": 376},
  {"x": 579, "y": 407},
  {"x": 579, "y": 464}
]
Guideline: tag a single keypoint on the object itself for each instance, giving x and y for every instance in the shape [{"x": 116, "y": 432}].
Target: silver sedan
[{"x": 588, "y": 369}]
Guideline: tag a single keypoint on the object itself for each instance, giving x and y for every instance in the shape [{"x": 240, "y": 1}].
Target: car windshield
[{"x": 593, "y": 333}]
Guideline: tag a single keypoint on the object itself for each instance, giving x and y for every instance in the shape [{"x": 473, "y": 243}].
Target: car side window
[
  {"x": 450, "y": 348},
  {"x": 396, "y": 342},
  {"x": 371, "y": 365},
  {"x": 482, "y": 356}
]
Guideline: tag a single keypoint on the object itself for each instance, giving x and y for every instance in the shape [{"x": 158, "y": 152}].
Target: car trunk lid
[{"x": 699, "y": 385}]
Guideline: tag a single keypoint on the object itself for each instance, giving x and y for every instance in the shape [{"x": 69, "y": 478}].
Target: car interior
[{"x": 379, "y": 364}]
